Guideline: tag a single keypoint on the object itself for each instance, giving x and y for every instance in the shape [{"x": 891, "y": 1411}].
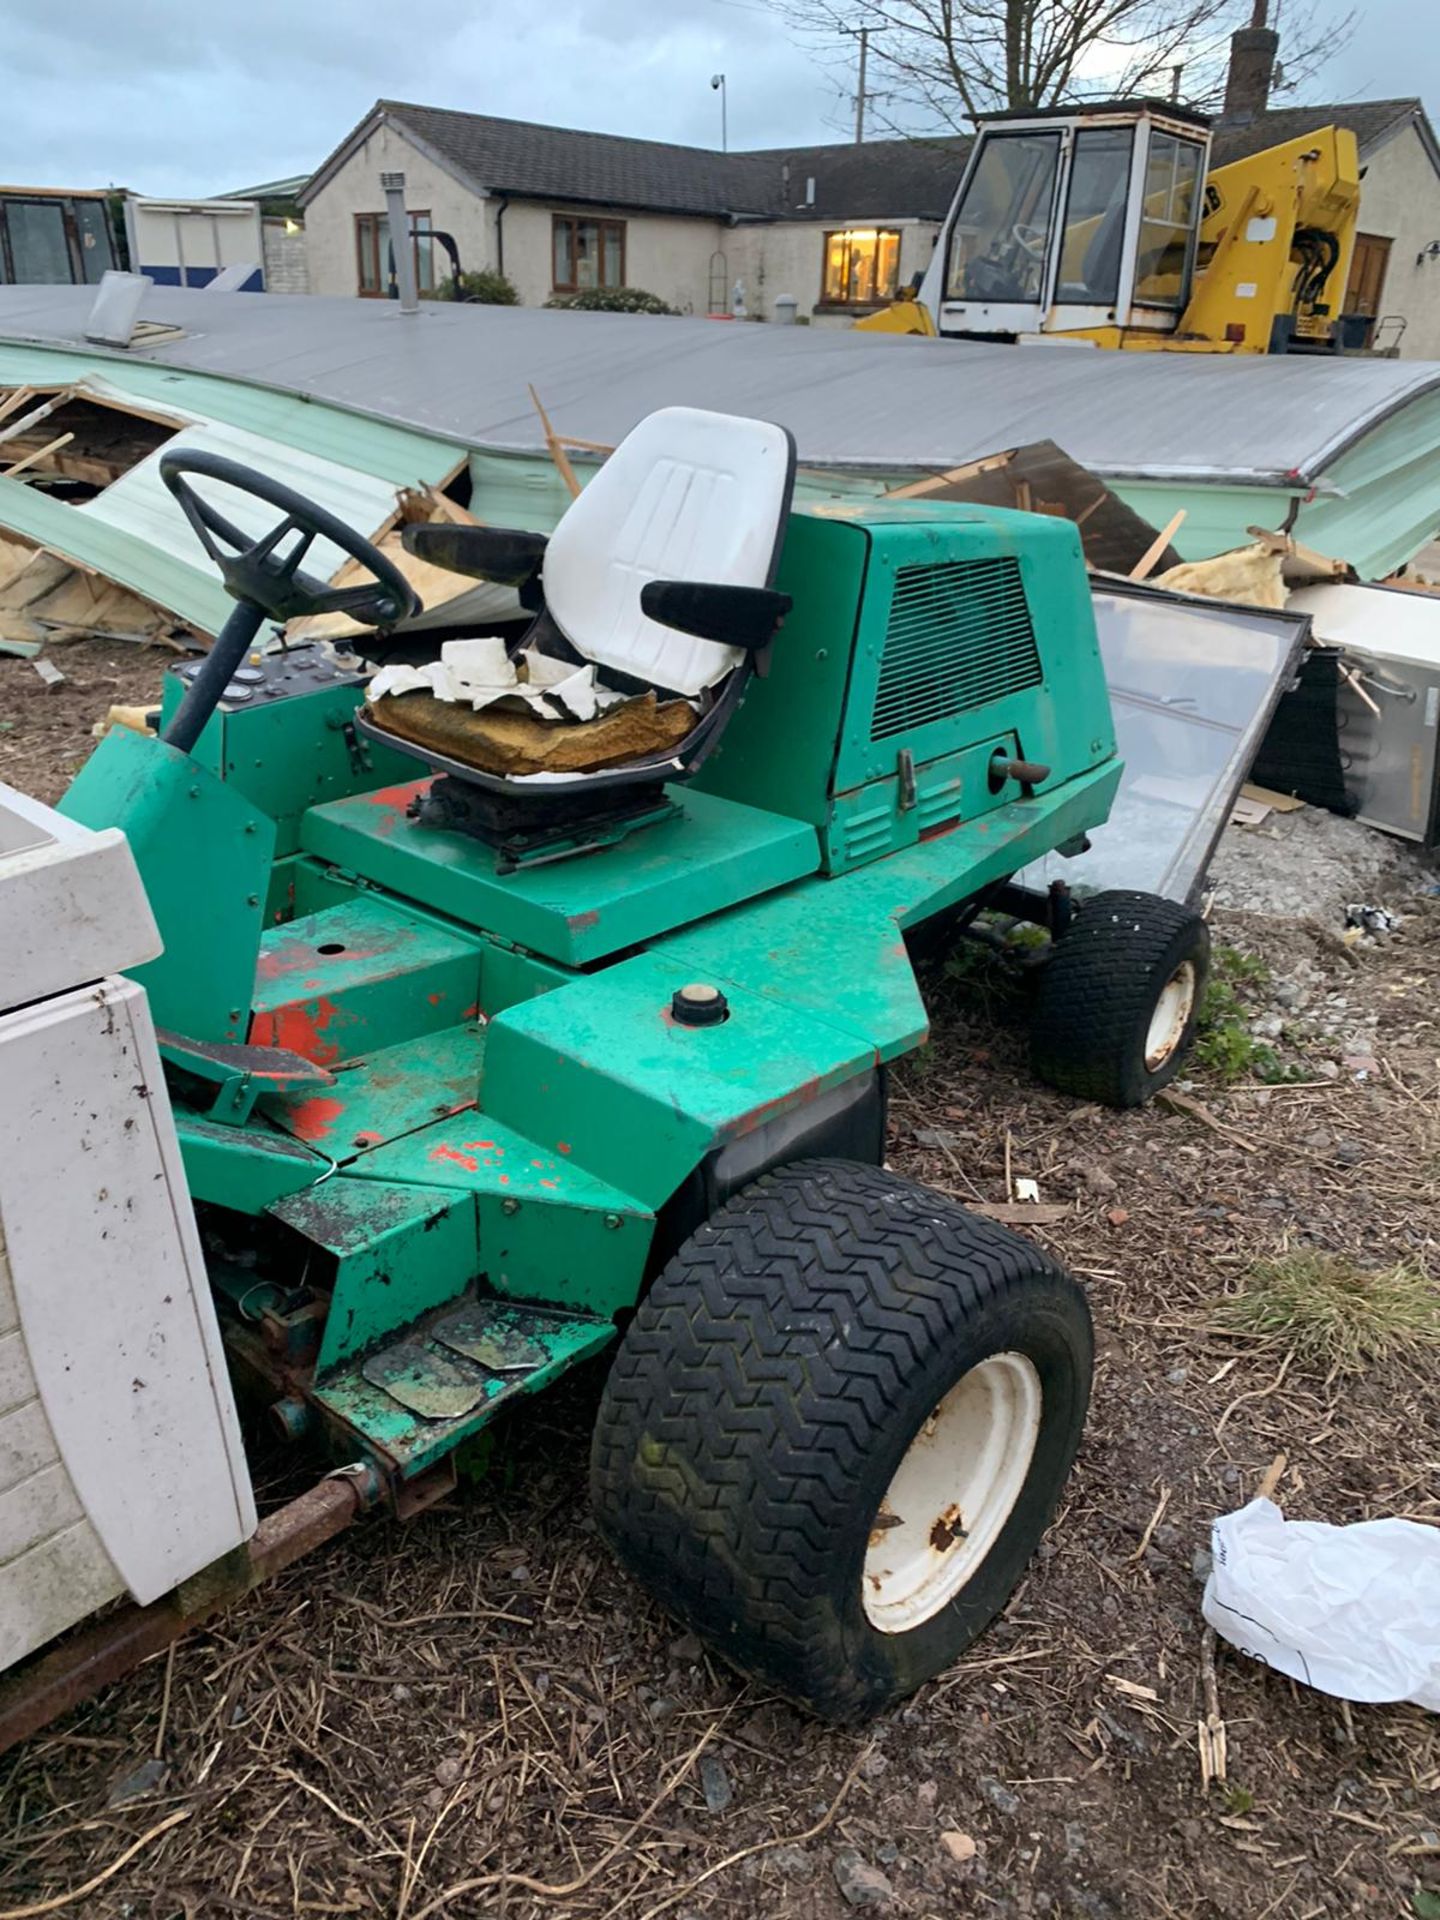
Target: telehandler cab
[{"x": 475, "y": 1075}]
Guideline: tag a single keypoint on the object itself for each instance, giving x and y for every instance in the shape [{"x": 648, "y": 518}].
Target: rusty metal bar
[{"x": 90, "y": 1659}]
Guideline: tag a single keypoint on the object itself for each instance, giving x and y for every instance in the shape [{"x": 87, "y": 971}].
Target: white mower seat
[
  {"x": 659, "y": 576},
  {"x": 688, "y": 495}
]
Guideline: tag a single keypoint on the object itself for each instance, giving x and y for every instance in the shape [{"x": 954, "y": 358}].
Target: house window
[
  {"x": 588, "y": 253},
  {"x": 372, "y": 253},
  {"x": 862, "y": 267}
]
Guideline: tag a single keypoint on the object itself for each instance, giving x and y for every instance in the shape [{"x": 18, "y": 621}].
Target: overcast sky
[{"x": 204, "y": 96}]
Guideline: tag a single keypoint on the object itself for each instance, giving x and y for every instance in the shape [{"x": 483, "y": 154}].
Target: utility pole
[
  {"x": 860, "y": 90},
  {"x": 717, "y": 81}
]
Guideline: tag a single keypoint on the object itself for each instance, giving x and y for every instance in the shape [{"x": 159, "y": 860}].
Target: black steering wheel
[{"x": 266, "y": 583}]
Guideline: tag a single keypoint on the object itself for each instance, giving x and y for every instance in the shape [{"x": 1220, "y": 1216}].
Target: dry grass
[
  {"x": 1334, "y": 1314},
  {"x": 478, "y": 1715}
]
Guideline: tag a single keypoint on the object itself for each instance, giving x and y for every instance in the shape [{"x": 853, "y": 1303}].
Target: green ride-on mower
[{"x": 478, "y": 1073}]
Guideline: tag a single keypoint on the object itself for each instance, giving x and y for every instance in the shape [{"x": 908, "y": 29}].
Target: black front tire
[
  {"x": 1095, "y": 1032},
  {"x": 768, "y": 1388}
]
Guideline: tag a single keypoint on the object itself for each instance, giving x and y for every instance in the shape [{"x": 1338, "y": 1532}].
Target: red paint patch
[
  {"x": 472, "y": 1012},
  {"x": 298, "y": 1029},
  {"x": 488, "y": 1144},
  {"x": 580, "y": 922},
  {"x": 312, "y": 1119},
  {"x": 398, "y": 797},
  {"x": 549, "y": 1183},
  {"x": 504, "y": 1179},
  {"x": 562, "y": 1146},
  {"x": 456, "y": 1158},
  {"x": 434, "y": 998}
]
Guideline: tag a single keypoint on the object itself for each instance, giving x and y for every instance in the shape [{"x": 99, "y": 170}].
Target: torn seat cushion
[{"x": 501, "y": 739}]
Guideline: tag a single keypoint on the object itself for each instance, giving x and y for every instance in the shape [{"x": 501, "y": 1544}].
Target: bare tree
[{"x": 944, "y": 63}]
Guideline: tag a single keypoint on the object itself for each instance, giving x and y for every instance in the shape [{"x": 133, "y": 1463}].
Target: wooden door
[{"x": 1367, "y": 277}]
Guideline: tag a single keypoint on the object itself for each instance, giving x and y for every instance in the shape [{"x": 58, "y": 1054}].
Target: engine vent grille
[{"x": 959, "y": 636}]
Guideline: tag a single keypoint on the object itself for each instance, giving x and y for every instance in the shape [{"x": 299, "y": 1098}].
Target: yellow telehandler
[{"x": 1104, "y": 225}]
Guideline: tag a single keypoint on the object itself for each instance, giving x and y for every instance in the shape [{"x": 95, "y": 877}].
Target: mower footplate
[{"x": 419, "y": 1397}]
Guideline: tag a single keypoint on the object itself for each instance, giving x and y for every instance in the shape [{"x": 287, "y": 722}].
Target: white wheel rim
[
  {"x": 1171, "y": 1016},
  {"x": 952, "y": 1493}
]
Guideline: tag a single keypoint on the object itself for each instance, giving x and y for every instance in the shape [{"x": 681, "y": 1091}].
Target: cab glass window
[
  {"x": 998, "y": 241},
  {"x": 1094, "y": 237},
  {"x": 1163, "y": 258}
]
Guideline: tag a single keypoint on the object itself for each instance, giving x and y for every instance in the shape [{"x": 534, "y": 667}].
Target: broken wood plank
[
  {"x": 1196, "y": 1110},
  {"x": 13, "y": 401},
  {"x": 32, "y": 419},
  {"x": 39, "y": 454},
  {"x": 1020, "y": 1213},
  {"x": 1351, "y": 677},
  {"x": 917, "y": 489},
  {"x": 1150, "y": 559},
  {"x": 557, "y": 451}
]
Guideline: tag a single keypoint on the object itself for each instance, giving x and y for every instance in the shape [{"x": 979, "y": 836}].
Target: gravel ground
[
  {"x": 1310, "y": 863},
  {"x": 478, "y": 1715}
]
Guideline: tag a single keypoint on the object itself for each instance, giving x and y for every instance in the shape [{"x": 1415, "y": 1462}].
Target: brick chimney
[{"x": 1252, "y": 62}]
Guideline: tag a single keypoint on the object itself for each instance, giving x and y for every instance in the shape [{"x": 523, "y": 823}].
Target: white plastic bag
[{"x": 1352, "y": 1610}]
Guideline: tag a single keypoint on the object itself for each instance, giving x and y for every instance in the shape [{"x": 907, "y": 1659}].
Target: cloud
[{"x": 167, "y": 96}]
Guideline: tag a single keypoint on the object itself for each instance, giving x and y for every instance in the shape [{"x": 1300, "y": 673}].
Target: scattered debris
[
  {"x": 1248, "y": 577},
  {"x": 145, "y": 1779},
  {"x": 715, "y": 1783},
  {"x": 1371, "y": 919},
  {"x": 960, "y": 1846},
  {"x": 1210, "y": 1732},
  {"x": 1347, "y": 1609},
  {"x": 49, "y": 673},
  {"x": 860, "y": 1884},
  {"x": 999, "y": 1795}
]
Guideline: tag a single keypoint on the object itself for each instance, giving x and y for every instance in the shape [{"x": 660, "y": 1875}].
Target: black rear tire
[
  {"x": 768, "y": 1388},
  {"x": 1094, "y": 1029}
]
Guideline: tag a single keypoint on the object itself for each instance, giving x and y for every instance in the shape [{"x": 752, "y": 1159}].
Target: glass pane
[
  {"x": 564, "y": 267},
  {"x": 997, "y": 245},
  {"x": 1095, "y": 217},
  {"x": 1171, "y": 180},
  {"x": 37, "y": 243},
  {"x": 887, "y": 269},
  {"x": 587, "y": 250},
  {"x": 614, "y": 274},
  {"x": 424, "y": 252},
  {"x": 96, "y": 254},
  {"x": 1192, "y": 687},
  {"x": 837, "y": 249}
]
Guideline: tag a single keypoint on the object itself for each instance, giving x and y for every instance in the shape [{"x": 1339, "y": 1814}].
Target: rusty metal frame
[{"x": 52, "y": 1683}]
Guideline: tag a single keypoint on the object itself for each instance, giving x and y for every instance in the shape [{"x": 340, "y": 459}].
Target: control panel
[{"x": 267, "y": 677}]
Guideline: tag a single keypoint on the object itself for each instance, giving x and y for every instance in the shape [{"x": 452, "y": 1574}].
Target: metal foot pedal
[
  {"x": 415, "y": 1399},
  {"x": 425, "y": 1381}
]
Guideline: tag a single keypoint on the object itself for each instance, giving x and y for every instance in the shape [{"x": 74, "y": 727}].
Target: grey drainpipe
[{"x": 500, "y": 207}]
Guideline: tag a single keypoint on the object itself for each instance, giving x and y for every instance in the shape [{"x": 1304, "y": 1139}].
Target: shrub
[
  {"x": 486, "y": 288},
  {"x": 611, "y": 300}
]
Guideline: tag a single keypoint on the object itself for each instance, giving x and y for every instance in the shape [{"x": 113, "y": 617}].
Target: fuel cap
[{"x": 699, "y": 1005}]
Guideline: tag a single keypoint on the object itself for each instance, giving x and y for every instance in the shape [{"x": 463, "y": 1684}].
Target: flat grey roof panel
[{"x": 851, "y": 399}]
